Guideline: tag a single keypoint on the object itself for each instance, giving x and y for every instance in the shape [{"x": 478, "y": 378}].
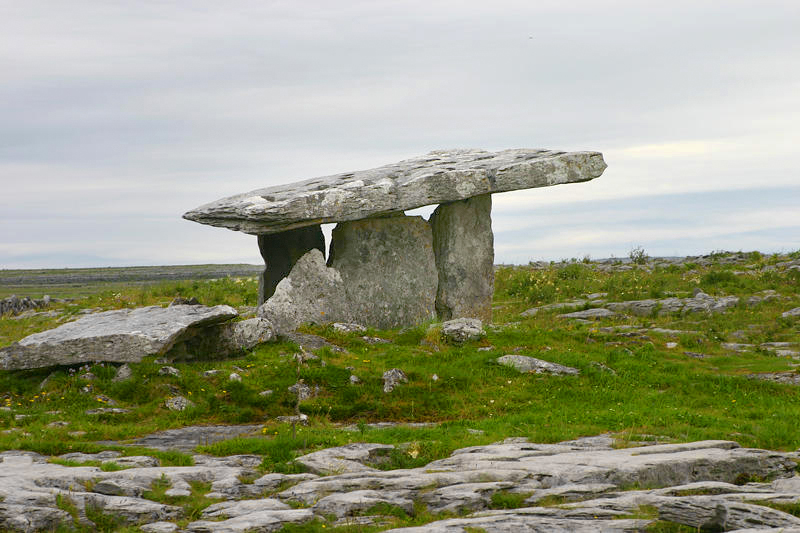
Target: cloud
[{"x": 117, "y": 112}]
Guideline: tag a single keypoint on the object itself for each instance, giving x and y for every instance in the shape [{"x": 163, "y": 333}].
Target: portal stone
[
  {"x": 388, "y": 269},
  {"x": 281, "y": 251},
  {"x": 311, "y": 292},
  {"x": 464, "y": 248}
]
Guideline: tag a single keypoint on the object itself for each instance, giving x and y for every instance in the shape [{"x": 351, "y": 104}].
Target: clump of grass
[{"x": 508, "y": 500}]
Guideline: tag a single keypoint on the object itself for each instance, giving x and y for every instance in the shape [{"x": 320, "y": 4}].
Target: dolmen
[{"x": 385, "y": 269}]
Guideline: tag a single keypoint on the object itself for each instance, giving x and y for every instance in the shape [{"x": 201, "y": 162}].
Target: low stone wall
[{"x": 15, "y": 305}]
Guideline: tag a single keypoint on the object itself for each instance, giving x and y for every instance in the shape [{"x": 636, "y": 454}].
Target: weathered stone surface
[
  {"x": 461, "y": 483},
  {"x": 532, "y": 365},
  {"x": 388, "y": 270},
  {"x": 223, "y": 340},
  {"x": 436, "y": 178},
  {"x": 124, "y": 373},
  {"x": 791, "y": 312},
  {"x": 124, "y": 336},
  {"x": 589, "y": 314},
  {"x": 281, "y": 251},
  {"x": 341, "y": 327},
  {"x": 344, "y": 459},
  {"x": 177, "y": 403},
  {"x": 461, "y": 330},
  {"x": 14, "y": 304},
  {"x": 352, "y": 503},
  {"x": 311, "y": 293},
  {"x": 187, "y": 438},
  {"x": 788, "y": 378},
  {"x": 463, "y": 245},
  {"x": 261, "y": 521},
  {"x": 392, "y": 378},
  {"x": 699, "y": 303}
]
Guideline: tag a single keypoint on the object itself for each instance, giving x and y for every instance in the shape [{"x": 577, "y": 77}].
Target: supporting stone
[
  {"x": 463, "y": 244},
  {"x": 281, "y": 251},
  {"x": 388, "y": 270}
]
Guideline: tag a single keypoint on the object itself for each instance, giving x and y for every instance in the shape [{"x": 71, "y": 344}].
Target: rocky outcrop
[
  {"x": 388, "y": 270},
  {"x": 122, "y": 336},
  {"x": 699, "y": 303},
  {"x": 435, "y": 178},
  {"x": 463, "y": 244},
  {"x": 693, "y": 486}
]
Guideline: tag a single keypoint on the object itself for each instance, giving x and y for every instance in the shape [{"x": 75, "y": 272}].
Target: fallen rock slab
[
  {"x": 523, "y": 363},
  {"x": 120, "y": 336}
]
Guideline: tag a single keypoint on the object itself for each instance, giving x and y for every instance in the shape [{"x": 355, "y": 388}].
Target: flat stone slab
[
  {"x": 120, "y": 336},
  {"x": 524, "y": 364},
  {"x": 188, "y": 438},
  {"x": 438, "y": 177}
]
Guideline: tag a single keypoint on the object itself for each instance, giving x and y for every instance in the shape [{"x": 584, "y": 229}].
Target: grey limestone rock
[
  {"x": 177, "y": 403},
  {"x": 262, "y": 521},
  {"x": 344, "y": 459},
  {"x": 436, "y": 178},
  {"x": 124, "y": 373},
  {"x": 463, "y": 245},
  {"x": 388, "y": 269},
  {"x": 791, "y": 313},
  {"x": 718, "y": 513},
  {"x": 354, "y": 502},
  {"x": 392, "y": 378},
  {"x": 532, "y": 365},
  {"x": 461, "y": 330},
  {"x": 159, "y": 527},
  {"x": 281, "y": 251},
  {"x": 233, "y": 509},
  {"x": 341, "y": 327},
  {"x": 223, "y": 340},
  {"x": 589, "y": 314},
  {"x": 311, "y": 293},
  {"x": 788, "y": 378},
  {"x": 699, "y": 303},
  {"x": 123, "y": 336}
]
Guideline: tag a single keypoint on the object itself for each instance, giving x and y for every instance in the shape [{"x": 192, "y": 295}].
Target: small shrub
[{"x": 638, "y": 255}]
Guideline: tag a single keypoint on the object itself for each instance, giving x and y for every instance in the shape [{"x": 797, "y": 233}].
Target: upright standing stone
[
  {"x": 388, "y": 270},
  {"x": 464, "y": 248},
  {"x": 281, "y": 251}
]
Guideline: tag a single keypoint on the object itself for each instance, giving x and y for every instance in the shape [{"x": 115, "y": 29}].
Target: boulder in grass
[
  {"x": 532, "y": 365},
  {"x": 460, "y": 330},
  {"x": 120, "y": 336}
]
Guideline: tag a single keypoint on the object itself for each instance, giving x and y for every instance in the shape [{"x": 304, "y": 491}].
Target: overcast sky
[{"x": 117, "y": 117}]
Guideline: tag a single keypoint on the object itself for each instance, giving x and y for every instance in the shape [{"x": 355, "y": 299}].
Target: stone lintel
[{"x": 435, "y": 178}]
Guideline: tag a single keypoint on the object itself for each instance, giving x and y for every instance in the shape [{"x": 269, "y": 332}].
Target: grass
[{"x": 653, "y": 389}]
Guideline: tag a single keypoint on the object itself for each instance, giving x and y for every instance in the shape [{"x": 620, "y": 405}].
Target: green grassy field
[{"x": 630, "y": 384}]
